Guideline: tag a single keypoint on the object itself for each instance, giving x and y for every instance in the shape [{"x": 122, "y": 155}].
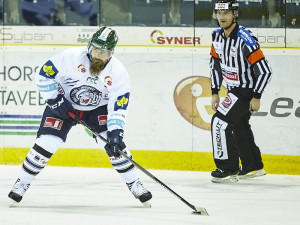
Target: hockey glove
[
  {"x": 115, "y": 142},
  {"x": 60, "y": 106}
]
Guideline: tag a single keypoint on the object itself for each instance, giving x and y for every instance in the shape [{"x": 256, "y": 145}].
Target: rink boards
[{"x": 169, "y": 112}]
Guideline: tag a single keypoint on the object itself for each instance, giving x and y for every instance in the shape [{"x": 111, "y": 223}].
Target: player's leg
[
  {"x": 226, "y": 155},
  {"x": 250, "y": 155},
  {"x": 50, "y": 137},
  {"x": 125, "y": 168},
  {"x": 225, "y": 148}
]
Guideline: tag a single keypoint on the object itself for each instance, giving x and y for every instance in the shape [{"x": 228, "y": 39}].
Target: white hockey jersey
[{"x": 68, "y": 73}]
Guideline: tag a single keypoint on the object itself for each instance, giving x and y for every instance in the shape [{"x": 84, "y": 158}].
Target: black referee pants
[{"x": 232, "y": 137}]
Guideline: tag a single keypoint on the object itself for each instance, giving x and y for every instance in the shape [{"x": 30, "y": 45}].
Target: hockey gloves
[
  {"x": 115, "y": 142},
  {"x": 60, "y": 106}
]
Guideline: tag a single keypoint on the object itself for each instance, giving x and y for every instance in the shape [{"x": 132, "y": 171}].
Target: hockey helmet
[
  {"x": 228, "y": 5},
  {"x": 104, "y": 39}
]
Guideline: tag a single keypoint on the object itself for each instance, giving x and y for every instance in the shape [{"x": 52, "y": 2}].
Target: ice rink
[{"x": 81, "y": 196}]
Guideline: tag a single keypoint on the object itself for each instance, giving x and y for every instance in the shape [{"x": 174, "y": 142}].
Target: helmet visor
[{"x": 101, "y": 53}]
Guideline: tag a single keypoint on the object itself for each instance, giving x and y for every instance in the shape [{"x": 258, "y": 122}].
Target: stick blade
[{"x": 200, "y": 211}]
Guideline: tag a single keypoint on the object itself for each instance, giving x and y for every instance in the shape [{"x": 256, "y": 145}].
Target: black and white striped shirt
[{"x": 239, "y": 61}]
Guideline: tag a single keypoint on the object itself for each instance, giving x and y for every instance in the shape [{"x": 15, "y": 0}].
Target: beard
[{"x": 96, "y": 66}]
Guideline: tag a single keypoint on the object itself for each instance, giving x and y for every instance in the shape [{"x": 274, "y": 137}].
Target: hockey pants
[{"x": 232, "y": 137}]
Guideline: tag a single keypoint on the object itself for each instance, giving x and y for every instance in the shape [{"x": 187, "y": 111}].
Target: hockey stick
[{"x": 197, "y": 210}]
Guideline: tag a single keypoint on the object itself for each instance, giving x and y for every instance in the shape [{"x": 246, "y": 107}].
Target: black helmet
[{"x": 228, "y": 5}]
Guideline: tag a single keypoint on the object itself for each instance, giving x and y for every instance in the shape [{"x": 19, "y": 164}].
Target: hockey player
[
  {"x": 93, "y": 84},
  {"x": 236, "y": 57}
]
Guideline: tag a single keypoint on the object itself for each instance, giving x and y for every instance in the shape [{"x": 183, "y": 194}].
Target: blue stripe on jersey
[{"x": 246, "y": 36}]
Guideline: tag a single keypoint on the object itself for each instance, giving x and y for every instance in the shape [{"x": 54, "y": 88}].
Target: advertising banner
[
  {"x": 170, "y": 100},
  {"x": 139, "y": 36}
]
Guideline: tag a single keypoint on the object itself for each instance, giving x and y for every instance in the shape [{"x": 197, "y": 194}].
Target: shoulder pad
[{"x": 246, "y": 36}]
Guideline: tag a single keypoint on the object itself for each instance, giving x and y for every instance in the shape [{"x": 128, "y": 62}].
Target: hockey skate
[
  {"x": 140, "y": 192},
  {"x": 251, "y": 174},
  {"x": 18, "y": 190},
  {"x": 220, "y": 176}
]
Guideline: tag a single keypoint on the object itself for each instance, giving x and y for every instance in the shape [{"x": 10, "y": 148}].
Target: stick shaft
[{"x": 133, "y": 162}]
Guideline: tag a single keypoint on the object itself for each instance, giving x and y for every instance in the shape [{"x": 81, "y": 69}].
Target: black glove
[
  {"x": 115, "y": 142},
  {"x": 60, "y": 106}
]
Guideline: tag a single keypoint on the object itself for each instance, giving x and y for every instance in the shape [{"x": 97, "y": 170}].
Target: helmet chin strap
[{"x": 233, "y": 22}]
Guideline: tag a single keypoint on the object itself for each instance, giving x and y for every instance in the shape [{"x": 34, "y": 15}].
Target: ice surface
[{"x": 88, "y": 196}]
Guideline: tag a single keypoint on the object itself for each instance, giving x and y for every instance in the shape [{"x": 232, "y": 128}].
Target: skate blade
[
  {"x": 147, "y": 204},
  {"x": 13, "y": 203},
  {"x": 200, "y": 211},
  {"x": 231, "y": 179},
  {"x": 253, "y": 174}
]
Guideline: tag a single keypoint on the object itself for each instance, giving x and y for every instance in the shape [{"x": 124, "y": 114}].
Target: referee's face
[{"x": 225, "y": 18}]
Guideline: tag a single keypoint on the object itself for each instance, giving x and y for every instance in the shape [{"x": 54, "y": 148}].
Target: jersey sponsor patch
[
  {"x": 81, "y": 68},
  {"x": 227, "y": 104},
  {"x": 48, "y": 70},
  {"x": 47, "y": 88},
  {"x": 102, "y": 119},
  {"x": 246, "y": 36},
  {"x": 53, "y": 123},
  {"x": 85, "y": 95},
  {"x": 116, "y": 122},
  {"x": 230, "y": 75},
  {"x": 219, "y": 139},
  {"x": 108, "y": 80},
  {"x": 92, "y": 80},
  {"x": 122, "y": 102}
]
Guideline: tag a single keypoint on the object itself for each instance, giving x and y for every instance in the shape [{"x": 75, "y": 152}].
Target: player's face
[
  {"x": 99, "y": 58},
  {"x": 104, "y": 55},
  {"x": 225, "y": 18}
]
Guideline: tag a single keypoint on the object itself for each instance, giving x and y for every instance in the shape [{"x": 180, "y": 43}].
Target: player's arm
[
  {"x": 216, "y": 77},
  {"x": 119, "y": 93},
  {"x": 50, "y": 89},
  {"x": 262, "y": 73}
]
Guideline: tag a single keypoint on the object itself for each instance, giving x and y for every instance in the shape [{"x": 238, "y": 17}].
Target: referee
[{"x": 236, "y": 57}]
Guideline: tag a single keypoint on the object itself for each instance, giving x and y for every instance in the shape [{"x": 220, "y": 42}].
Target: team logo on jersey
[
  {"x": 81, "y": 68},
  {"x": 53, "y": 123},
  {"x": 48, "y": 70},
  {"x": 122, "y": 102},
  {"x": 85, "y": 95},
  {"x": 108, "y": 80},
  {"x": 102, "y": 119}
]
